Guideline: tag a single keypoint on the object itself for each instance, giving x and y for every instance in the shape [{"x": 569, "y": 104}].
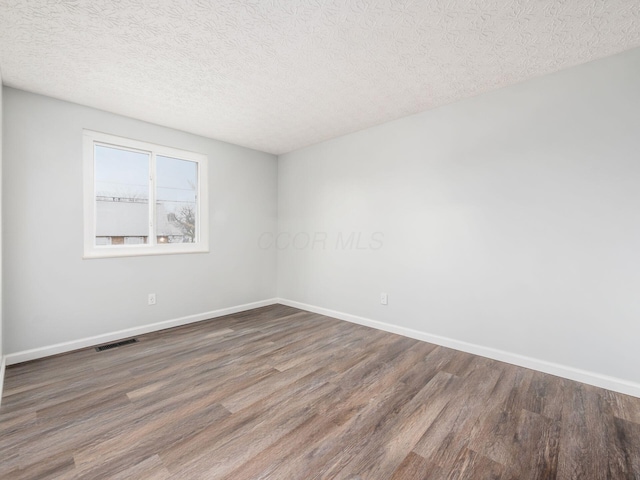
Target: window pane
[
  {"x": 122, "y": 196},
  {"x": 176, "y": 200}
]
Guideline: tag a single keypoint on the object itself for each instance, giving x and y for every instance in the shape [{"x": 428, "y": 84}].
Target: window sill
[{"x": 142, "y": 251}]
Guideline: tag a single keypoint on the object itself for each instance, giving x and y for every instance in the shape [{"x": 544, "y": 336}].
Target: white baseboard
[
  {"x": 584, "y": 376},
  {"x": 3, "y": 363},
  {"x": 33, "y": 354},
  {"x": 603, "y": 381}
]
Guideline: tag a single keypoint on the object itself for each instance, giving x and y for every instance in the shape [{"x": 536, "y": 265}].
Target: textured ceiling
[{"x": 277, "y": 75}]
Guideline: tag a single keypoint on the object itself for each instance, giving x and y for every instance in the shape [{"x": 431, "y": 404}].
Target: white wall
[
  {"x": 510, "y": 220},
  {"x": 52, "y": 295}
]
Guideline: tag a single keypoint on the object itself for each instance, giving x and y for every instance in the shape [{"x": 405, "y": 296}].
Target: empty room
[{"x": 308, "y": 239}]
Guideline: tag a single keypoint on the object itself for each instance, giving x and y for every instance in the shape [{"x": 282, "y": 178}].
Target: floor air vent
[{"x": 117, "y": 344}]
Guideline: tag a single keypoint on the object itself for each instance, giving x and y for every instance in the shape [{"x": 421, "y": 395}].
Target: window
[{"x": 142, "y": 199}]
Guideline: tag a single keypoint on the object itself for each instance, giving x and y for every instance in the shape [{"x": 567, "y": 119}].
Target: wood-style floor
[{"x": 277, "y": 393}]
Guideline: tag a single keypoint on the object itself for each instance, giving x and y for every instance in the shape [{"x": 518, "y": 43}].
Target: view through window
[{"x": 144, "y": 198}]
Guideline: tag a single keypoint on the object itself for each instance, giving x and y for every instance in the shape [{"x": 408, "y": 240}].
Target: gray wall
[
  {"x": 52, "y": 295},
  {"x": 1, "y": 253},
  {"x": 510, "y": 220}
]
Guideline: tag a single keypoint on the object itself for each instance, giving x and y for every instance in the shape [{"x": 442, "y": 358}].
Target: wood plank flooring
[{"x": 278, "y": 393}]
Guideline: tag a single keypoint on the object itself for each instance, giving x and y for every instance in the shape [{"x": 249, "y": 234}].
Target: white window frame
[{"x": 91, "y": 250}]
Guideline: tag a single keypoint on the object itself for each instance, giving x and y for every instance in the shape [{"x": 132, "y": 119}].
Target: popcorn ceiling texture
[{"x": 277, "y": 75}]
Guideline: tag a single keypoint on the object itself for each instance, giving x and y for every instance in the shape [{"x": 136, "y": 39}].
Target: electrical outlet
[
  {"x": 384, "y": 299},
  {"x": 152, "y": 299}
]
